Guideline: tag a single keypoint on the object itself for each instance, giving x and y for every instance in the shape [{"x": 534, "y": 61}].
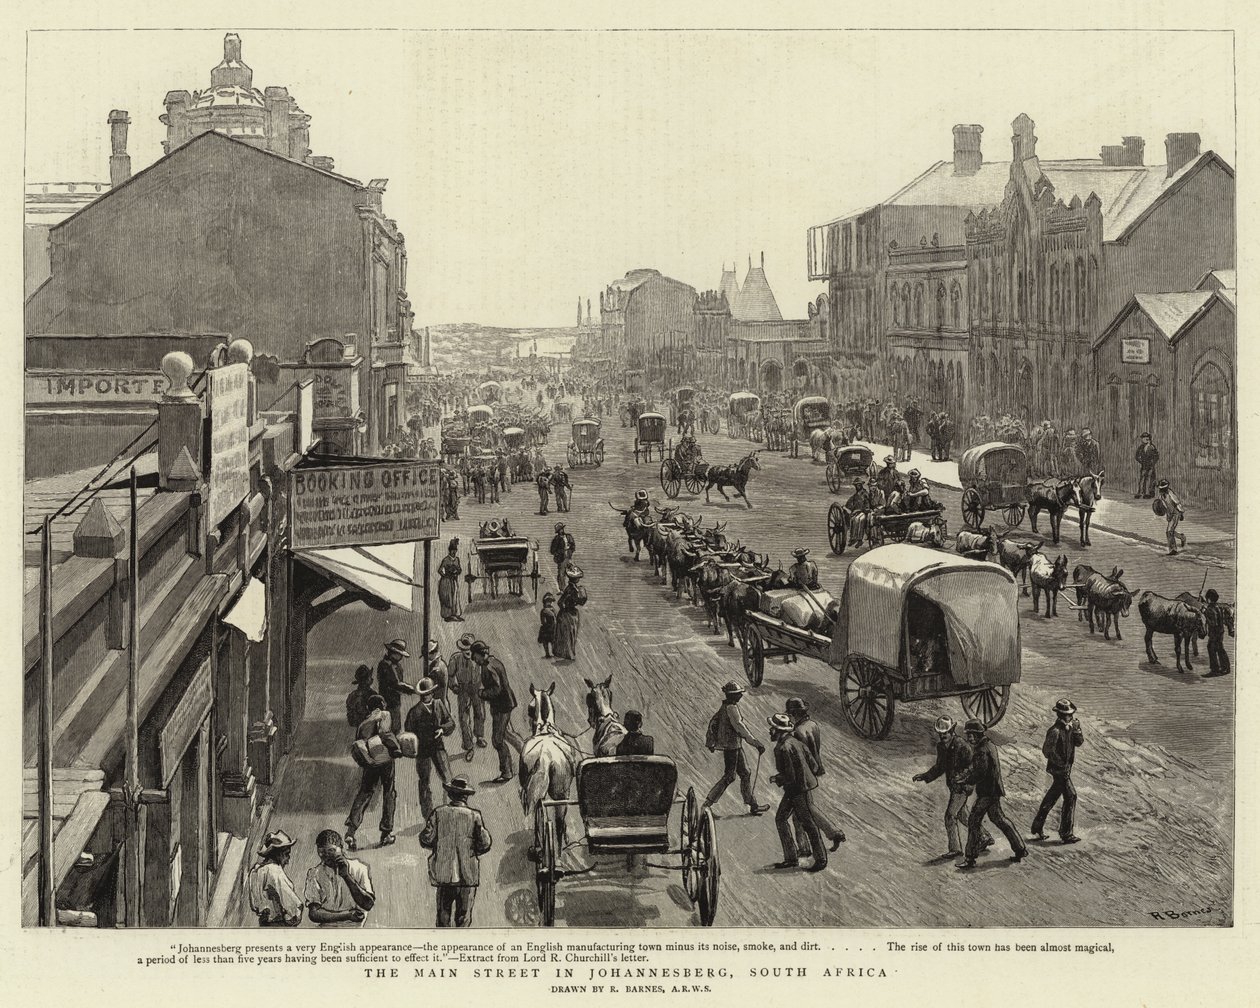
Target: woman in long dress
[
  {"x": 569, "y": 621},
  {"x": 449, "y": 571}
]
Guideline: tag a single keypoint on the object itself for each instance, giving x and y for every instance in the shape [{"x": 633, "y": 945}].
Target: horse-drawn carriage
[
  {"x": 480, "y": 414},
  {"x": 627, "y": 804},
  {"x": 994, "y": 476},
  {"x": 649, "y": 436},
  {"x": 562, "y": 411},
  {"x": 849, "y": 463},
  {"x": 586, "y": 447},
  {"x": 684, "y": 466},
  {"x": 490, "y": 392},
  {"x": 911, "y": 624},
  {"x": 455, "y": 447},
  {"x": 845, "y": 528},
  {"x": 808, "y": 415},
  {"x": 514, "y": 438},
  {"x": 499, "y": 555},
  {"x": 681, "y": 400},
  {"x": 741, "y": 407}
]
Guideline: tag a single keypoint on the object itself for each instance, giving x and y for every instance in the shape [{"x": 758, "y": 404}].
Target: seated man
[
  {"x": 917, "y": 496},
  {"x": 895, "y": 503},
  {"x": 859, "y": 507}
]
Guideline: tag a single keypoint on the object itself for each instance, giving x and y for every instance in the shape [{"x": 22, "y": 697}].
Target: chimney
[
  {"x": 279, "y": 105},
  {"x": 322, "y": 163},
  {"x": 299, "y": 135},
  {"x": 374, "y": 194},
  {"x": 1182, "y": 148},
  {"x": 176, "y": 119},
  {"x": 1135, "y": 149},
  {"x": 967, "y": 155},
  {"x": 119, "y": 160},
  {"x": 1128, "y": 153}
]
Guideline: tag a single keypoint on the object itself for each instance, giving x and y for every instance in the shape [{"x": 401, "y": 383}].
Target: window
[
  {"x": 939, "y": 320},
  {"x": 1054, "y": 296},
  {"x": 955, "y": 298},
  {"x": 847, "y": 247},
  {"x": 1080, "y": 295},
  {"x": 896, "y": 307},
  {"x": 918, "y": 305},
  {"x": 1211, "y": 418}
]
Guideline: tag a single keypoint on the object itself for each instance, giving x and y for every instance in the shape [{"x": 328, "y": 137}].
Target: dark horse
[
  {"x": 1054, "y": 498},
  {"x": 735, "y": 477}
]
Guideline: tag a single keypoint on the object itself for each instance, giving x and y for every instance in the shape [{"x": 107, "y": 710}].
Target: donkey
[
  {"x": 1016, "y": 556},
  {"x": 735, "y": 476},
  {"x": 1047, "y": 577},
  {"x": 1108, "y": 597}
]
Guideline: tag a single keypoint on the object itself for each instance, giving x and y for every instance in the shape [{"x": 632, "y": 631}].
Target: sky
[{"x": 528, "y": 169}]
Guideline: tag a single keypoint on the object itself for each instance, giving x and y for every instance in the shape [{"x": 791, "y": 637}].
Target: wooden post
[
  {"x": 47, "y": 883},
  {"x": 131, "y": 782},
  {"x": 428, "y": 573}
]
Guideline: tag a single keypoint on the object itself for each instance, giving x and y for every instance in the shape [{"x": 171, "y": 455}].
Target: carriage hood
[{"x": 979, "y": 603}]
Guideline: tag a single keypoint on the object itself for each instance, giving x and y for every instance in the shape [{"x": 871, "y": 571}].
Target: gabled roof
[
  {"x": 729, "y": 285},
  {"x": 196, "y": 147},
  {"x": 1217, "y": 279},
  {"x": 1172, "y": 313}
]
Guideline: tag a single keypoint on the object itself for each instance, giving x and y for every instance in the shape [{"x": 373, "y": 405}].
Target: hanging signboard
[
  {"x": 229, "y": 439},
  {"x": 304, "y": 431},
  {"x": 364, "y": 504},
  {"x": 184, "y": 721},
  {"x": 335, "y": 392}
]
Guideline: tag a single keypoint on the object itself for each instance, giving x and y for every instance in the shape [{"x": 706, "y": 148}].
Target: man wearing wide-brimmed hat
[
  {"x": 985, "y": 774},
  {"x": 886, "y": 478},
  {"x": 728, "y": 733},
  {"x": 357, "y": 708},
  {"x": 389, "y": 679},
  {"x": 563, "y": 546},
  {"x": 806, "y": 729},
  {"x": 435, "y": 668},
  {"x": 430, "y": 721},
  {"x": 496, "y": 690},
  {"x": 271, "y": 894},
  {"x": 797, "y": 774},
  {"x": 804, "y": 573},
  {"x": 1062, "y": 740},
  {"x": 953, "y": 758},
  {"x": 458, "y": 838},
  {"x": 465, "y": 682}
]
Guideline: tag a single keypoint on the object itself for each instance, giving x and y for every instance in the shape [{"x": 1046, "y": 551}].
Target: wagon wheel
[
  {"x": 545, "y": 873},
  {"x": 670, "y": 478},
  {"x": 687, "y": 833},
  {"x": 599, "y": 456},
  {"x": 715, "y": 424},
  {"x": 972, "y": 509},
  {"x": 865, "y": 699},
  {"x": 837, "y": 529},
  {"x": 1014, "y": 514},
  {"x": 708, "y": 867},
  {"x": 833, "y": 478},
  {"x": 988, "y": 704},
  {"x": 754, "y": 655},
  {"x": 694, "y": 483}
]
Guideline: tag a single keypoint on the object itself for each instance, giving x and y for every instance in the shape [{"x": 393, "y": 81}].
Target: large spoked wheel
[
  {"x": 708, "y": 868},
  {"x": 754, "y": 655},
  {"x": 833, "y": 478},
  {"x": 671, "y": 478},
  {"x": 865, "y": 699},
  {"x": 1014, "y": 514},
  {"x": 972, "y": 509},
  {"x": 688, "y": 830},
  {"x": 545, "y": 844},
  {"x": 987, "y": 705},
  {"x": 695, "y": 484},
  {"x": 837, "y": 529}
]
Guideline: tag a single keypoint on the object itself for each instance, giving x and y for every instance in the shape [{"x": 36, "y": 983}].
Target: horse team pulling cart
[
  {"x": 808, "y": 415},
  {"x": 845, "y": 528},
  {"x": 586, "y": 446},
  {"x": 911, "y": 624},
  {"x": 649, "y": 435},
  {"x": 626, "y": 804},
  {"x": 562, "y": 412},
  {"x": 995, "y": 476},
  {"x": 741, "y": 407}
]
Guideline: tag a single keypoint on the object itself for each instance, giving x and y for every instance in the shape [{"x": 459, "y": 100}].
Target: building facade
[{"x": 646, "y": 325}]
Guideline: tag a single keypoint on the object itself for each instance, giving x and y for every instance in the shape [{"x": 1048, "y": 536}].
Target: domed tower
[{"x": 231, "y": 105}]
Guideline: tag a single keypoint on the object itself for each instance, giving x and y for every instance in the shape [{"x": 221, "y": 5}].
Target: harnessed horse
[
  {"x": 735, "y": 477},
  {"x": 549, "y": 758},
  {"x": 604, "y": 722}
]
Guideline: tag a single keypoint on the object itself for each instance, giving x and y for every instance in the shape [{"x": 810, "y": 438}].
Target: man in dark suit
[
  {"x": 1147, "y": 458},
  {"x": 430, "y": 721},
  {"x": 1060, "y": 747},
  {"x": 562, "y": 549},
  {"x": 807, "y": 731},
  {"x": 798, "y": 777},
  {"x": 496, "y": 690},
  {"x": 953, "y": 758},
  {"x": 985, "y": 774},
  {"x": 390, "y": 682},
  {"x": 357, "y": 708},
  {"x": 635, "y": 742},
  {"x": 457, "y": 836}
]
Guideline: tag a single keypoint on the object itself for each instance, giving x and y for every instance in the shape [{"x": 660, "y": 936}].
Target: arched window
[
  {"x": 982, "y": 293},
  {"x": 1069, "y": 300},
  {"x": 955, "y": 303},
  {"x": 906, "y": 305},
  {"x": 1211, "y": 416},
  {"x": 918, "y": 305},
  {"x": 940, "y": 307},
  {"x": 895, "y": 304},
  {"x": 1080, "y": 295}
]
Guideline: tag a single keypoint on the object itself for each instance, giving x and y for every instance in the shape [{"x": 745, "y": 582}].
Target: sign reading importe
[{"x": 365, "y": 505}]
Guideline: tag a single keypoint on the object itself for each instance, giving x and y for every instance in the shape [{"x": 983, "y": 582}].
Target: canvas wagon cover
[
  {"x": 480, "y": 411},
  {"x": 745, "y": 401},
  {"x": 813, "y": 409},
  {"x": 1001, "y": 463},
  {"x": 977, "y": 600}
]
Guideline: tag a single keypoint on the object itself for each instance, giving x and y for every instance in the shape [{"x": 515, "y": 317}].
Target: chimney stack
[
  {"x": 119, "y": 160},
  {"x": 1181, "y": 148},
  {"x": 279, "y": 105},
  {"x": 1128, "y": 153},
  {"x": 967, "y": 155},
  {"x": 322, "y": 162}
]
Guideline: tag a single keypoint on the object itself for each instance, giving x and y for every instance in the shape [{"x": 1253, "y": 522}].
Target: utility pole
[{"x": 47, "y": 882}]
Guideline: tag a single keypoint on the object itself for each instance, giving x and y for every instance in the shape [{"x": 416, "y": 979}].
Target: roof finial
[
  {"x": 763, "y": 258},
  {"x": 750, "y": 261}
]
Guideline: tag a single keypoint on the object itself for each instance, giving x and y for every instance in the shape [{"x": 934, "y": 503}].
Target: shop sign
[
  {"x": 185, "y": 720},
  {"x": 334, "y": 392},
  {"x": 229, "y": 439},
  {"x": 1136, "y": 350},
  {"x": 50, "y": 387},
  {"x": 372, "y": 504}
]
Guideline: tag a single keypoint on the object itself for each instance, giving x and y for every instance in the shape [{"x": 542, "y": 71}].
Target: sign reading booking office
[{"x": 365, "y": 504}]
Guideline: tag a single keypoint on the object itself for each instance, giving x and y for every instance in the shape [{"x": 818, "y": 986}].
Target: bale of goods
[{"x": 797, "y": 607}]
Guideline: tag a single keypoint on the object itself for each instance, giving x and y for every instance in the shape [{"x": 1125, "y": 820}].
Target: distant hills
[{"x": 457, "y": 346}]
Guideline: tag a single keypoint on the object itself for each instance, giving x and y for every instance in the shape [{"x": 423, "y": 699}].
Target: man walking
[
  {"x": 798, "y": 777},
  {"x": 561, "y": 485},
  {"x": 457, "y": 836},
  {"x": 728, "y": 733},
  {"x": 271, "y": 894},
  {"x": 1089, "y": 451},
  {"x": 563, "y": 546},
  {"x": 338, "y": 890},
  {"x": 465, "y": 681},
  {"x": 377, "y": 723},
  {"x": 496, "y": 690},
  {"x": 544, "y": 490},
  {"x": 953, "y": 758},
  {"x": 389, "y": 680},
  {"x": 357, "y": 707},
  {"x": 1062, "y": 741},
  {"x": 1147, "y": 456},
  {"x": 429, "y": 721},
  {"x": 985, "y": 774},
  {"x": 436, "y": 669},
  {"x": 1219, "y": 618},
  {"x": 805, "y": 728},
  {"x": 1167, "y": 506}
]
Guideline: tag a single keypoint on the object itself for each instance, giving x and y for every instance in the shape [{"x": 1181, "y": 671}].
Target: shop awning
[
  {"x": 249, "y": 613},
  {"x": 384, "y": 572},
  {"x": 78, "y": 804}
]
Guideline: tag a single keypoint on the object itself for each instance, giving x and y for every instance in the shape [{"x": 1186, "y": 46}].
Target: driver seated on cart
[
  {"x": 804, "y": 573},
  {"x": 496, "y": 528},
  {"x": 639, "y": 509},
  {"x": 859, "y": 507},
  {"x": 896, "y": 499},
  {"x": 917, "y": 497}
]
